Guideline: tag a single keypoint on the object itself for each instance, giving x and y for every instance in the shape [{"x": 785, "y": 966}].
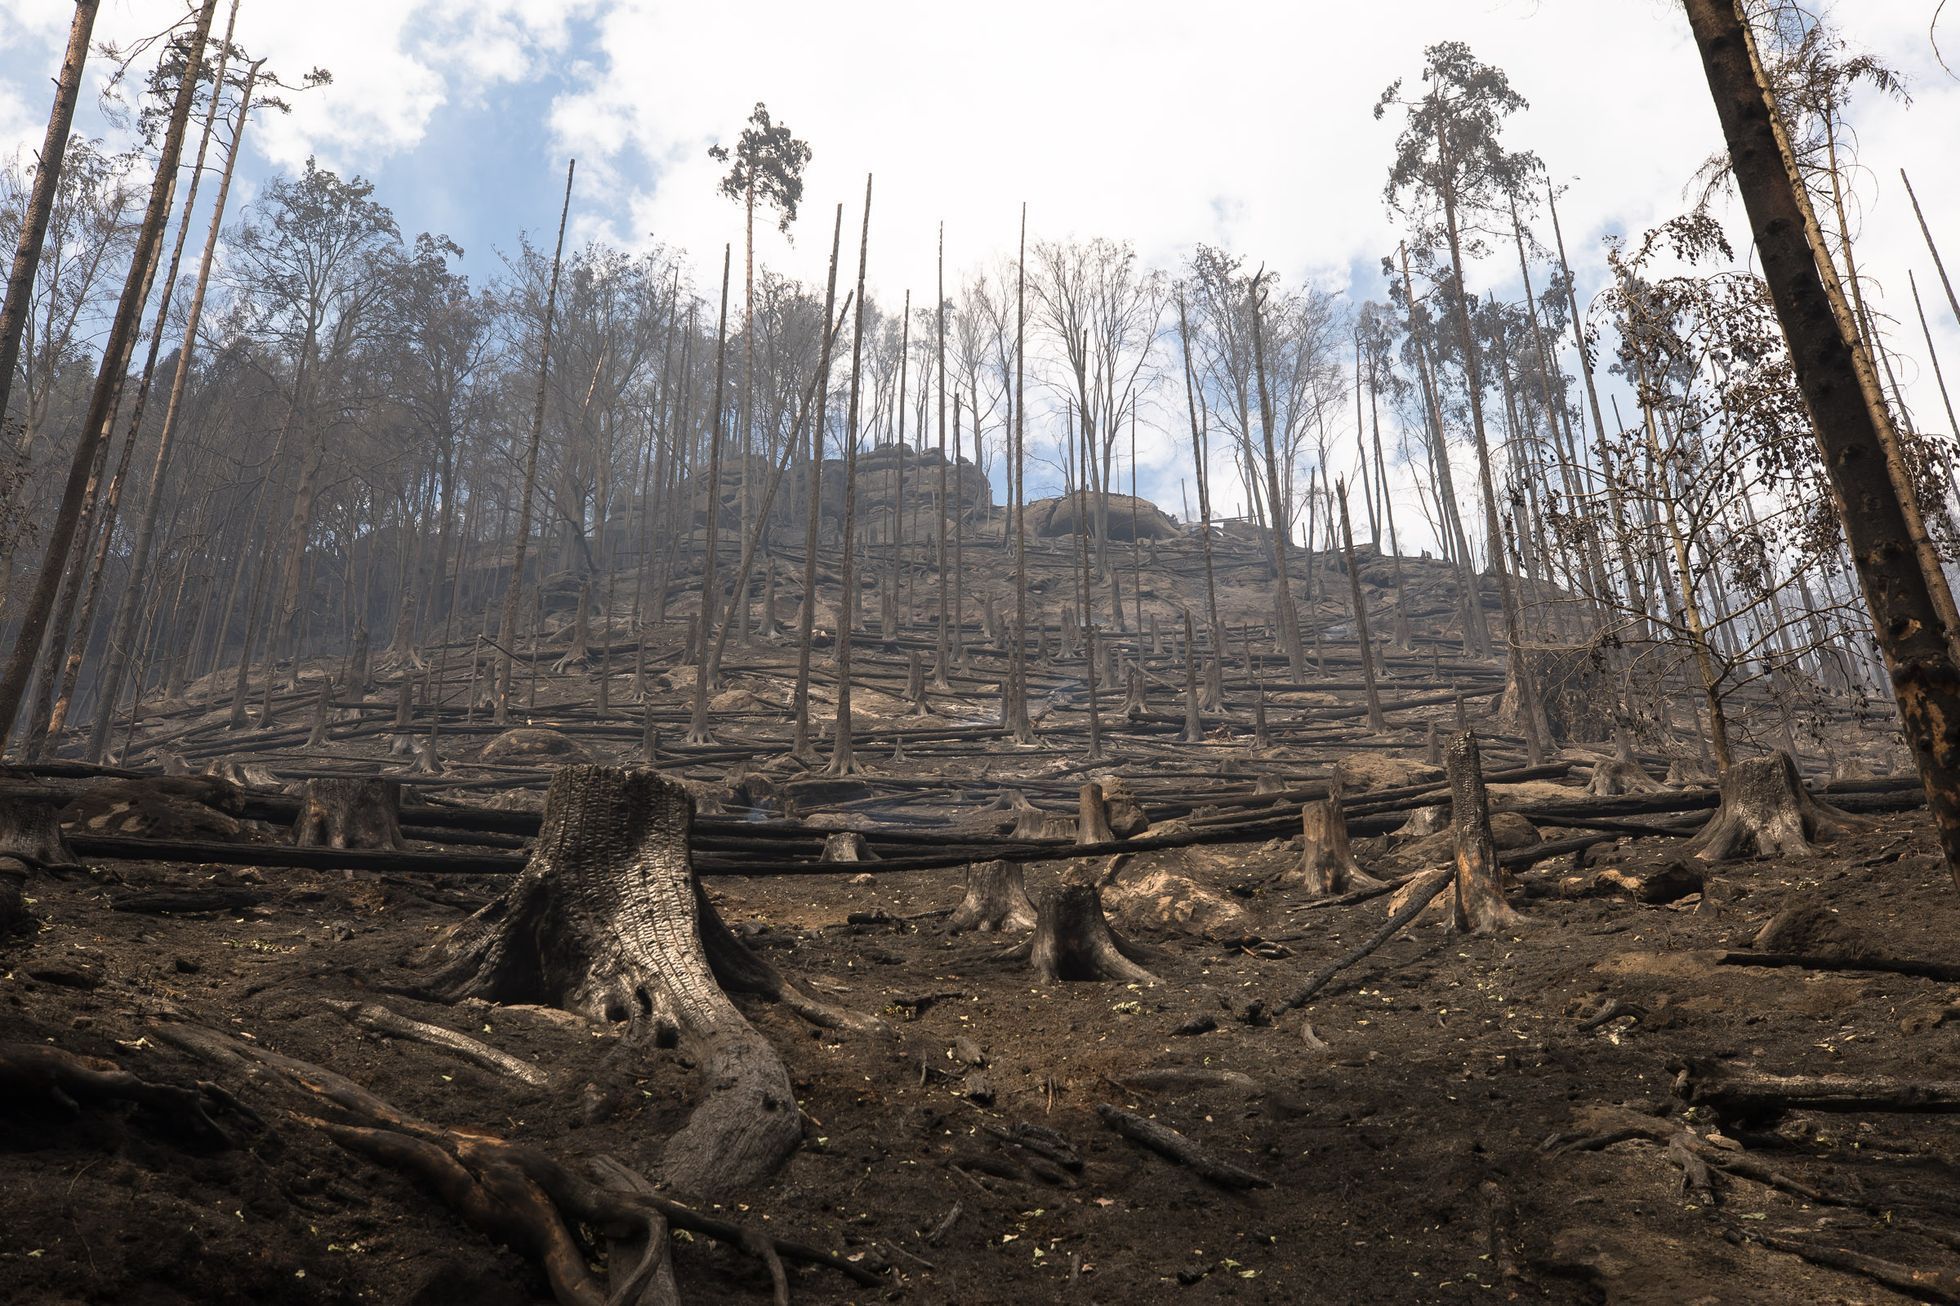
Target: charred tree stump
[
  {"x": 1327, "y": 864},
  {"x": 996, "y": 900},
  {"x": 916, "y": 688},
  {"x": 1478, "y": 906},
  {"x": 1073, "y": 941},
  {"x": 1767, "y": 811},
  {"x": 30, "y": 840},
  {"x": 608, "y": 920},
  {"x": 1092, "y": 816},
  {"x": 404, "y": 740},
  {"x": 580, "y": 651},
  {"x": 1615, "y": 776},
  {"x": 427, "y": 760},
  {"x": 846, "y": 846},
  {"x": 772, "y": 627},
  {"x": 31, "y": 834},
  {"x": 322, "y": 714},
  {"x": 349, "y": 814},
  {"x": 1135, "y": 708},
  {"x": 360, "y": 665},
  {"x": 1682, "y": 774}
]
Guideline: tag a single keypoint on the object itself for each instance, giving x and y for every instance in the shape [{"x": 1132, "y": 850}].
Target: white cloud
[
  {"x": 393, "y": 64},
  {"x": 1170, "y": 124},
  {"x": 1167, "y": 123}
]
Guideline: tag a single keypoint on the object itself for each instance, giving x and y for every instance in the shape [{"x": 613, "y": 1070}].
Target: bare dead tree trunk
[
  {"x": 1288, "y": 614},
  {"x": 711, "y": 522},
  {"x": 843, "y": 761},
  {"x": 1015, "y": 709},
  {"x": 1939, "y": 264},
  {"x": 1201, "y": 469},
  {"x": 108, "y": 383},
  {"x": 1903, "y": 598},
  {"x": 698, "y": 727},
  {"x": 1636, "y": 592},
  {"x": 944, "y": 652},
  {"x": 711, "y": 517},
  {"x": 40, "y": 201},
  {"x": 1476, "y": 631},
  {"x": 78, "y": 633},
  {"x": 514, "y": 587},
  {"x": 1376, "y": 721},
  {"x": 801, "y": 746}
]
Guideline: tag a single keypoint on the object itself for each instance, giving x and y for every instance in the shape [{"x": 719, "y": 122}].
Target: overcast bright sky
[{"x": 1246, "y": 125}]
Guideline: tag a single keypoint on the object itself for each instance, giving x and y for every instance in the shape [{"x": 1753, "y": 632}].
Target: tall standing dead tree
[
  {"x": 843, "y": 761},
  {"x": 514, "y": 587},
  {"x": 40, "y": 202},
  {"x": 1832, "y": 372},
  {"x": 108, "y": 382}
]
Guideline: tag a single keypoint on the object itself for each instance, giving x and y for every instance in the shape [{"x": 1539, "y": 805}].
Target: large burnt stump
[
  {"x": 1614, "y": 776},
  {"x": 1327, "y": 864},
  {"x": 608, "y": 920},
  {"x": 1767, "y": 811},
  {"x": 349, "y": 813},
  {"x": 846, "y": 846},
  {"x": 1477, "y": 904},
  {"x": 996, "y": 900},
  {"x": 1622, "y": 773},
  {"x": 1073, "y": 941},
  {"x": 1092, "y": 816},
  {"x": 30, "y": 840}
]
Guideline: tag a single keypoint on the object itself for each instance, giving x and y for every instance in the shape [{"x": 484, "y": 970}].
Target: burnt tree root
[
  {"x": 1767, "y": 811},
  {"x": 513, "y": 1193},
  {"x": 1168, "y": 1143},
  {"x": 377, "y": 1019},
  {"x": 1754, "y": 1094},
  {"x": 1416, "y": 896},
  {"x": 35, "y": 1074},
  {"x": 1700, "y": 1160},
  {"x": 1073, "y": 941},
  {"x": 609, "y": 921},
  {"x": 996, "y": 900}
]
